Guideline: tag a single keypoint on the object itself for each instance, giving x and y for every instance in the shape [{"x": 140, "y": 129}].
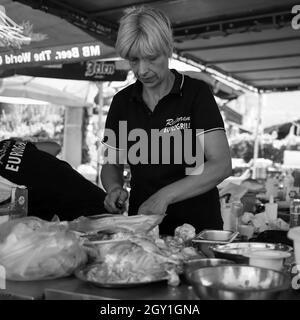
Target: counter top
[{"x": 73, "y": 288}]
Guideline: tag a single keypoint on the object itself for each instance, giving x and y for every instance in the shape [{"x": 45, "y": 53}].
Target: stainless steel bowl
[
  {"x": 215, "y": 236},
  {"x": 238, "y": 282},
  {"x": 238, "y": 251},
  {"x": 193, "y": 264}
]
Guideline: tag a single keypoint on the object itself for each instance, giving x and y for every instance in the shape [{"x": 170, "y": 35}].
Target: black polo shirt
[{"x": 189, "y": 105}]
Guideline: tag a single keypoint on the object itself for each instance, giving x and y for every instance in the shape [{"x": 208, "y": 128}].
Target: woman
[{"x": 163, "y": 100}]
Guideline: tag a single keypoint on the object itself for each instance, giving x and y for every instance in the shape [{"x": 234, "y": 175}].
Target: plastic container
[
  {"x": 226, "y": 215},
  {"x": 272, "y": 185},
  {"x": 288, "y": 183},
  {"x": 270, "y": 259},
  {"x": 271, "y": 209},
  {"x": 246, "y": 230}
]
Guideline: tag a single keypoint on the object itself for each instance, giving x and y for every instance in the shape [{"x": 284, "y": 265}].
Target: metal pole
[
  {"x": 257, "y": 133},
  {"x": 100, "y": 108}
]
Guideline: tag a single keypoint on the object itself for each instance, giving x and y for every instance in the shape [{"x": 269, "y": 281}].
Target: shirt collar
[
  {"x": 178, "y": 83},
  {"x": 176, "y": 89}
]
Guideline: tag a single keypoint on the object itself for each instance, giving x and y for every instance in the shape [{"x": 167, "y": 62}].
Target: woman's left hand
[{"x": 156, "y": 204}]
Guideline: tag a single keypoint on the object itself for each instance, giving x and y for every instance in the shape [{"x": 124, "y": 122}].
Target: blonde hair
[{"x": 144, "y": 31}]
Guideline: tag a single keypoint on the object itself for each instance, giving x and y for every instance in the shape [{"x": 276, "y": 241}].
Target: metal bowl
[
  {"x": 238, "y": 282},
  {"x": 215, "y": 236},
  {"x": 238, "y": 251},
  {"x": 193, "y": 264}
]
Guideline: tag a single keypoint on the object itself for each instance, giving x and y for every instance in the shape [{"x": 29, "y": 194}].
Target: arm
[
  {"x": 216, "y": 168},
  {"x": 112, "y": 176},
  {"x": 112, "y": 170},
  {"x": 112, "y": 181}
]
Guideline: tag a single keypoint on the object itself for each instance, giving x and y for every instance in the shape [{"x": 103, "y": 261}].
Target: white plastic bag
[
  {"x": 116, "y": 223},
  {"x": 33, "y": 249}
]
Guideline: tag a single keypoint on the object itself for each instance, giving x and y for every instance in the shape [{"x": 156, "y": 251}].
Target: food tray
[
  {"x": 215, "y": 236},
  {"x": 82, "y": 274}
]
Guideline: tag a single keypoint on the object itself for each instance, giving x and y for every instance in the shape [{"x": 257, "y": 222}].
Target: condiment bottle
[
  {"x": 288, "y": 185},
  {"x": 295, "y": 213},
  {"x": 236, "y": 212},
  {"x": 272, "y": 184},
  {"x": 271, "y": 209}
]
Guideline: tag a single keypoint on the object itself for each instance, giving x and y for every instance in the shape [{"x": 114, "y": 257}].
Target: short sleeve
[
  {"x": 113, "y": 124},
  {"x": 206, "y": 115}
]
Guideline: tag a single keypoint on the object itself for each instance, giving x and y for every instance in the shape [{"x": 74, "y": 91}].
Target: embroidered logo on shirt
[{"x": 180, "y": 123}]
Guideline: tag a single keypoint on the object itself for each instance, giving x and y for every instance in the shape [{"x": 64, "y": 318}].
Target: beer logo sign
[{"x": 98, "y": 69}]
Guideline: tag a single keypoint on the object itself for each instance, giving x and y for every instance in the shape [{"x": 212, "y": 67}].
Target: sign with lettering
[
  {"x": 92, "y": 70},
  {"x": 54, "y": 55},
  {"x": 96, "y": 70}
]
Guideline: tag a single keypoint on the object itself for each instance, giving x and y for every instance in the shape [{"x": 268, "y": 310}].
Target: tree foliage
[{"x": 242, "y": 146}]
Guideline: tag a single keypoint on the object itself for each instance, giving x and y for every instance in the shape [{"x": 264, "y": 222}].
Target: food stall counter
[{"x": 71, "y": 288}]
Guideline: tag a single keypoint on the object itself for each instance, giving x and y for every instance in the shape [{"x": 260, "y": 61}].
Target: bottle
[
  {"x": 226, "y": 214},
  {"x": 271, "y": 209},
  {"x": 272, "y": 185},
  {"x": 281, "y": 195},
  {"x": 295, "y": 213},
  {"x": 289, "y": 186},
  {"x": 296, "y": 175},
  {"x": 236, "y": 212}
]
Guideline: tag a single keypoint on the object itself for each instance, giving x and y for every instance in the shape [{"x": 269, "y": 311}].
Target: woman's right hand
[{"x": 115, "y": 200}]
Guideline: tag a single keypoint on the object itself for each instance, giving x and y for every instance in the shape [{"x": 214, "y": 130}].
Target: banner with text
[
  {"x": 54, "y": 55},
  {"x": 92, "y": 70}
]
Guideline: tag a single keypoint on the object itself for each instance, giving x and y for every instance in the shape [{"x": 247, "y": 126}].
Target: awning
[
  {"x": 253, "y": 41},
  {"x": 74, "y": 94},
  {"x": 61, "y": 42},
  {"x": 219, "y": 89}
]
